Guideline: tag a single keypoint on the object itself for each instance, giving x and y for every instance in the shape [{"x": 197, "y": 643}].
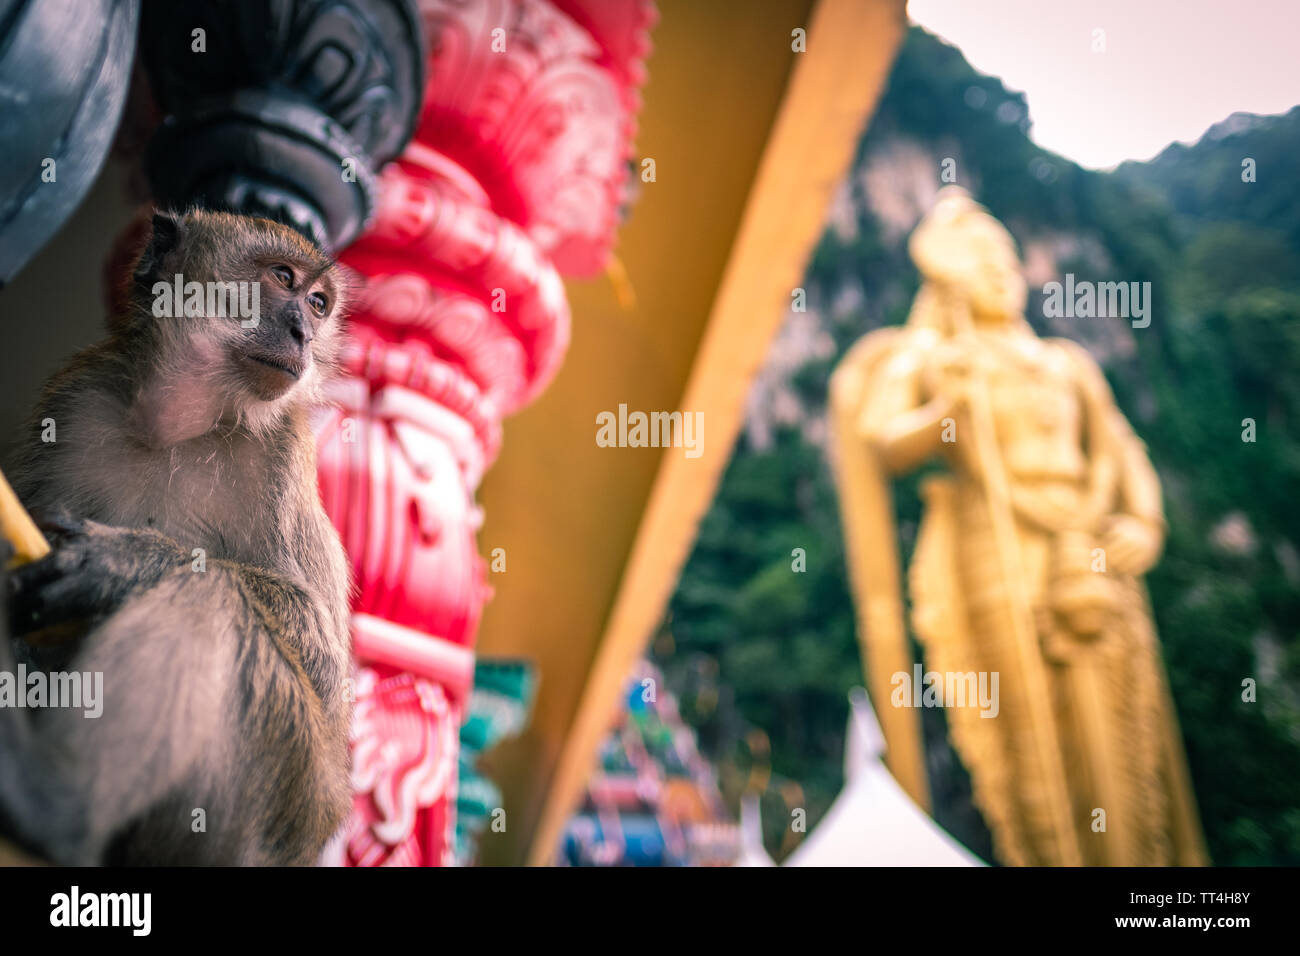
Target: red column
[{"x": 516, "y": 176}]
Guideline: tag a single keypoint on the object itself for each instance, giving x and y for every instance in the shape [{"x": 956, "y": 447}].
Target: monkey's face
[
  {"x": 295, "y": 302},
  {"x": 250, "y": 303}
]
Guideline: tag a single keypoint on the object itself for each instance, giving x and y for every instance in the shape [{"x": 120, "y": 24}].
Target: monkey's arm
[
  {"x": 91, "y": 570},
  {"x": 94, "y": 568}
]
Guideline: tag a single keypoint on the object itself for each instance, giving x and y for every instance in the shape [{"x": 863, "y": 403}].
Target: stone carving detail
[
  {"x": 514, "y": 177},
  {"x": 281, "y": 109}
]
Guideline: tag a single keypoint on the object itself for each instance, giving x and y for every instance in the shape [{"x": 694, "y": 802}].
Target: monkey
[{"x": 195, "y": 566}]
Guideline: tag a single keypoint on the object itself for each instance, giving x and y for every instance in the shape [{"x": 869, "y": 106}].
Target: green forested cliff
[{"x": 764, "y": 654}]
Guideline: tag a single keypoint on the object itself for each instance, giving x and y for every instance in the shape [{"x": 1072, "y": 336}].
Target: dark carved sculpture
[{"x": 281, "y": 109}]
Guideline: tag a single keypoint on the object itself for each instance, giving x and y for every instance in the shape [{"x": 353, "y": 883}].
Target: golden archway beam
[{"x": 832, "y": 91}]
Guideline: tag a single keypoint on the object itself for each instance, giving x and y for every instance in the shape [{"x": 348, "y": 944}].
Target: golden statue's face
[
  {"x": 965, "y": 250},
  {"x": 996, "y": 287}
]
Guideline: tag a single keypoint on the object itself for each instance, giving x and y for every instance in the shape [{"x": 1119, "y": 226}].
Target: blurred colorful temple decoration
[{"x": 653, "y": 800}]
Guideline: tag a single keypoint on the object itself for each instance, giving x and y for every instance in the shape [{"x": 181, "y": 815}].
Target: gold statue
[{"x": 1027, "y": 565}]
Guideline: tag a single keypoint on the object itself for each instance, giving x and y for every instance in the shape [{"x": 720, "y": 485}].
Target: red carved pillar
[{"x": 515, "y": 176}]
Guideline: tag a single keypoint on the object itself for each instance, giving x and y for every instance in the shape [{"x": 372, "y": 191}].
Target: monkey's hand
[{"x": 91, "y": 569}]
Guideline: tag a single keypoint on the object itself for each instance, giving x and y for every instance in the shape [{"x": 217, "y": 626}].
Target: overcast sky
[{"x": 1169, "y": 70}]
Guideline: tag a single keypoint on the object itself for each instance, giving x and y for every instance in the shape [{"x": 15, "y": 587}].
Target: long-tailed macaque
[{"x": 193, "y": 565}]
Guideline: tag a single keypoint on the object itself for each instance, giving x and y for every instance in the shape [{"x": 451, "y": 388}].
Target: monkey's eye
[
  {"x": 318, "y": 303},
  {"x": 283, "y": 275}
]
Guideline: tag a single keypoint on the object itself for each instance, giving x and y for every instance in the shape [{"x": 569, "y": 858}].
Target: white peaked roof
[
  {"x": 872, "y": 822},
  {"x": 752, "y": 852}
]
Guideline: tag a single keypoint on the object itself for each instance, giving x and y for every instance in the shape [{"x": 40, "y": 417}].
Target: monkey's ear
[{"x": 166, "y": 236}]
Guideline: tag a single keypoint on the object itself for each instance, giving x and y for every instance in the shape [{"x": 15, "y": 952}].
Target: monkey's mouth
[{"x": 293, "y": 369}]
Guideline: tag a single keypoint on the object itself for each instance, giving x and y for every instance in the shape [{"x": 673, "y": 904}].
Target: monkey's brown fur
[{"x": 224, "y": 688}]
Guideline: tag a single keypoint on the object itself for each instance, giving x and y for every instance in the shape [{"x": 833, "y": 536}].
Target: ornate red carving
[{"x": 515, "y": 176}]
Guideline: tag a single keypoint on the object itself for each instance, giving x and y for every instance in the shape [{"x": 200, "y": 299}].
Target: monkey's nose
[{"x": 300, "y": 330}]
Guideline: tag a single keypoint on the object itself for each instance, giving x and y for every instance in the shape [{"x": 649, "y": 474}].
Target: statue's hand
[
  {"x": 1132, "y": 544},
  {"x": 949, "y": 370}
]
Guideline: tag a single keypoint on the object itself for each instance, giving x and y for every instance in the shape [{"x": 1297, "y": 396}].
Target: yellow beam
[
  {"x": 835, "y": 84},
  {"x": 563, "y": 509}
]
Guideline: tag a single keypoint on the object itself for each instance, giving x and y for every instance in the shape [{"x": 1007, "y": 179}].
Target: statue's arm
[
  {"x": 1101, "y": 444},
  {"x": 1125, "y": 493},
  {"x": 1140, "y": 494},
  {"x": 903, "y": 429}
]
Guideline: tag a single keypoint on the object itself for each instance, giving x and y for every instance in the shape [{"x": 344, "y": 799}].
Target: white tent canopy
[
  {"x": 752, "y": 852},
  {"x": 873, "y": 822}
]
